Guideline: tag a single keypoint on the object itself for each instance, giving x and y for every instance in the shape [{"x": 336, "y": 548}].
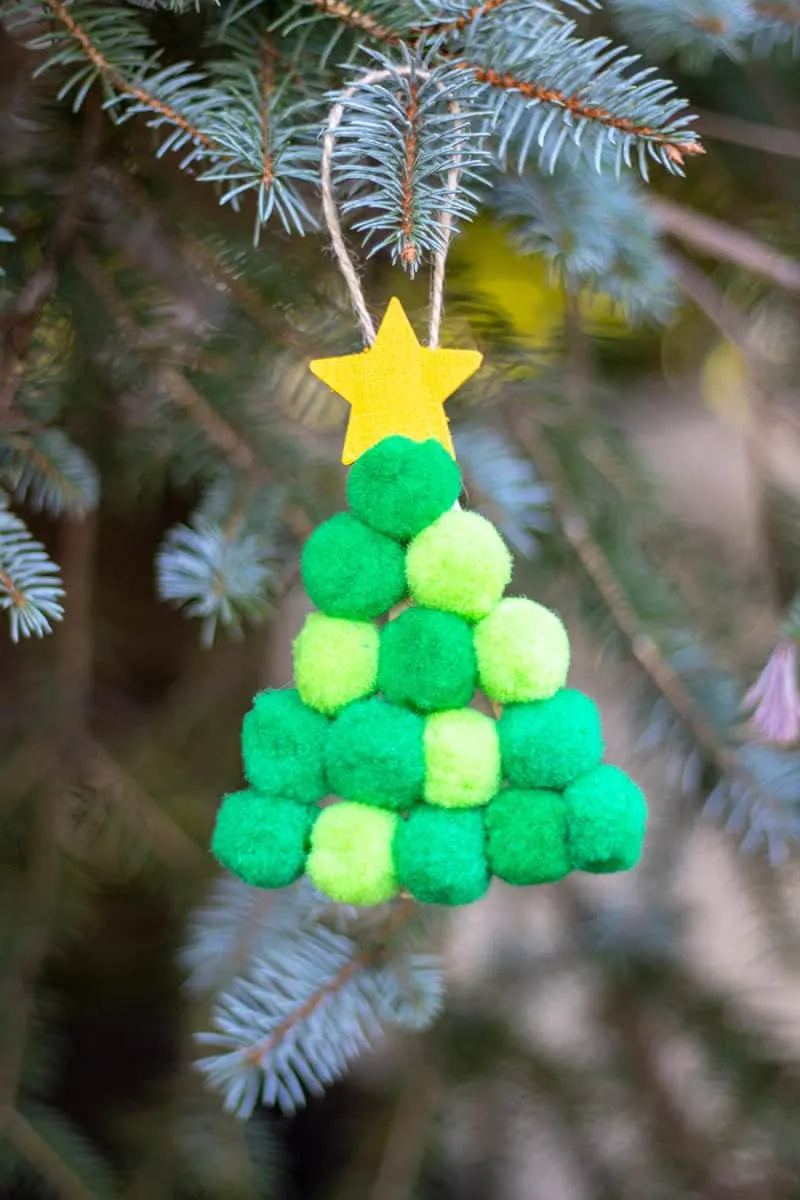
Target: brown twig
[
  {"x": 266, "y": 73},
  {"x": 718, "y": 240},
  {"x": 753, "y": 134},
  {"x": 401, "y": 914},
  {"x": 408, "y": 254},
  {"x": 31, "y": 1146},
  {"x": 441, "y": 28},
  {"x": 357, "y": 20}
]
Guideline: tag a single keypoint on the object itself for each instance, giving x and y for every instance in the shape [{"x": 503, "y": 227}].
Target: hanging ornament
[{"x": 375, "y": 774}]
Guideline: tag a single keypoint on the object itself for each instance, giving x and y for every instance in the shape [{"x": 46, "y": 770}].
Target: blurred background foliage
[{"x": 163, "y": 454}]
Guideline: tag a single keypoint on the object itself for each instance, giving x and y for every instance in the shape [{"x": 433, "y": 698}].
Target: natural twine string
[{"x": 346, "y": 264}]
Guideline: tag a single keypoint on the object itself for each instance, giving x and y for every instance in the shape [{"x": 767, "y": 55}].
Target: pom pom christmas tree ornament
[
  {"x": 375, "y": 756},
  {"x": 351, "y": 858},
  {"x": 523, "y": 652},
  {"x": 550, "y": 743},
  {"x": 441, "y": 855},
  {"x": 459, "y": 564},
  {"x": 462, "y": 759},
  {"x": 350, "y": 570},
  {"x": 283, "y": 747},
  {"x": 527, "y": 836},
  {"x": 606, "y": 820},
  {"x": 418, "y": 775},
  {"x": 335, "y": 661},
  {"x": 262, "y": 839},
  {"x": 399, "y": 486},
  {"x": 427, "y": 660}
]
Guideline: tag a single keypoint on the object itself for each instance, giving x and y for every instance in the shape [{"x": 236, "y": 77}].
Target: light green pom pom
[
  {"x": 335, "y": 661},
  {"x": 462, "y": 759},
  {"x": 459, "y": 564},
  {"x": 351, "y": 856},
  {"x": 523, "y": 652},
  {"x": 606, "y": 819}
]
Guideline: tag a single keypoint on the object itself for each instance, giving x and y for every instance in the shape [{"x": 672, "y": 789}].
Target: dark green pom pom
[
  {"x": 375, "y": 754},
  {"x": 399, "y": 486},
  {"x": 283, "y": 747},
  {"x": 606, "y": 820},
  {"x": 527, "y": 836},
  {"x": 349, "y": 570},
  {"x": 262, "y": 839},
  {"x": 550, "y": 743},
  {"x": 441, "y": 855},
  {"x": 427, "y": 660}
]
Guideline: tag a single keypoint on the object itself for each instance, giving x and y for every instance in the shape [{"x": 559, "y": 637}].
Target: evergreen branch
[
  {"x": 30, "y": 584},
  {"x": 719, "y": 240},
  {"x": 48, "y": 471}
]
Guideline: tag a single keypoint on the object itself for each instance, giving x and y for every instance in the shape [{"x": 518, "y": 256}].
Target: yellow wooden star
[{"x": 396, "y": 386}]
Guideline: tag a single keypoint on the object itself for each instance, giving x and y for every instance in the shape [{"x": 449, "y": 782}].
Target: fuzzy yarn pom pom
[
  {"x": 527, "y": 836},
  {"x": 462, "y": 759},
  {"x": 459, "y": 564},
  {"x": 523, "y": 652},
  {"x": 427, "y": 660},
  {"x": 350, "y": 570},
  {"x": 606, "y": 820},
  {"x": 441, "y": 855},
  {"x": 283, "y": 747},
  {"x": 335, "y": 661},
  {"x": 351, "y": 856},
  {"x": 399, "y": 486},
  {"x": 262, "y": 839},
  {"x": 550, "y": 743},
  {"x": 374, "y": 754}
]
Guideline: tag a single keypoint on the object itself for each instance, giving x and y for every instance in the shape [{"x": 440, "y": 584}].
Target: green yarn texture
[
  {"x": 550, "y": 743},
  {"x": 283, "y": 747},
  {"x": 427, "y": 660},
  {"x": 399, "y": 487},
  {"x": 350, "y": 570},
  {"x": 375, "y": 754},
  {"x": 430, "y": 795}
]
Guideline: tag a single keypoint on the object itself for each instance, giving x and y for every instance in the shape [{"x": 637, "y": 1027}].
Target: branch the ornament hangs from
[{"x": 375, "y": 773}]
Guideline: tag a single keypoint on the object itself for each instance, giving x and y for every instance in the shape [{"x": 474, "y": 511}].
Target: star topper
[{"x": 396, "y": 385}]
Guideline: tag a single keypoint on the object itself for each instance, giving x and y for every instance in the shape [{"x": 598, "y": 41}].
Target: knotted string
[{"x": 346, "y": 264}]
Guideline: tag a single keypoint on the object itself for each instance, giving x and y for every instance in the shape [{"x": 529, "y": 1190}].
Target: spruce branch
[{"x": 30, "y": 583}]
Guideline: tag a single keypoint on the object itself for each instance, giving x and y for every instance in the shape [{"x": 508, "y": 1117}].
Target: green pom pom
[
  {"x": 349, "y": 570},
  {"x": 549, "y": 743},
  {"x": 459, "y": 564},
  {"x": 427, "y": 660},
  {"x": 399, "y": 486},
  {"x": 527, "y": 836},
  {"x": 335, "y": 661},
  {"x": 262, "y": 839},
  {"x": 606, "y": 820},
  {"x": 462, "y": 759},
  {"x": 441, "y": 855},
  {"x": 374, "y": 754},
  {"x": 523, "y": 652},
  {"x": 351, "y": 856},
  {"x": 283, "y": 747}
]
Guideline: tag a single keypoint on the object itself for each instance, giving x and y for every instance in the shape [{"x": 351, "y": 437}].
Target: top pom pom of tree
[{"x": 375, "y": 774}]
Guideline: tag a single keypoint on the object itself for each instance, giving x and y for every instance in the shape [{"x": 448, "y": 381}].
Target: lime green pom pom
[
  {"x": 427, "y": 660},
  {"x": 283, "y": 747},
  {"x": 523, "y": 652},
  {"x": 349, "y": 570},
  {"x": 335, "y": 661},
  {"x": 527, "y": 836},
  {"x": 374, "y": 754},
  {"x": 606, "y": 820},
  {"x": 262, "y": 839},
  {"x": 400, "y": 486},
  {"x": 441, "y": 855},
  {"x": 459, "y": 564},
  {"x": 351, "y": 856},
  {"x": 462, "y": 759},
  {"x": 550, "y": 743}
]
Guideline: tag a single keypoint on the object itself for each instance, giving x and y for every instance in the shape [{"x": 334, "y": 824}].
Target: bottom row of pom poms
[{"x": 362, "y": 855}]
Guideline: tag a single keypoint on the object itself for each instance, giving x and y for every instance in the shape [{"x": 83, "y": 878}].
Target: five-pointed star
[{"x": 396, "y": 386}]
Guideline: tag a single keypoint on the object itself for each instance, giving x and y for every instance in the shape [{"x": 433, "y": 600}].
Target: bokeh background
[{"x": 633, "y": 1036}]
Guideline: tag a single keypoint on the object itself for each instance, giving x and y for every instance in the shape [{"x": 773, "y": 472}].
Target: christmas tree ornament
[{"x": 376, "y": 773}]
